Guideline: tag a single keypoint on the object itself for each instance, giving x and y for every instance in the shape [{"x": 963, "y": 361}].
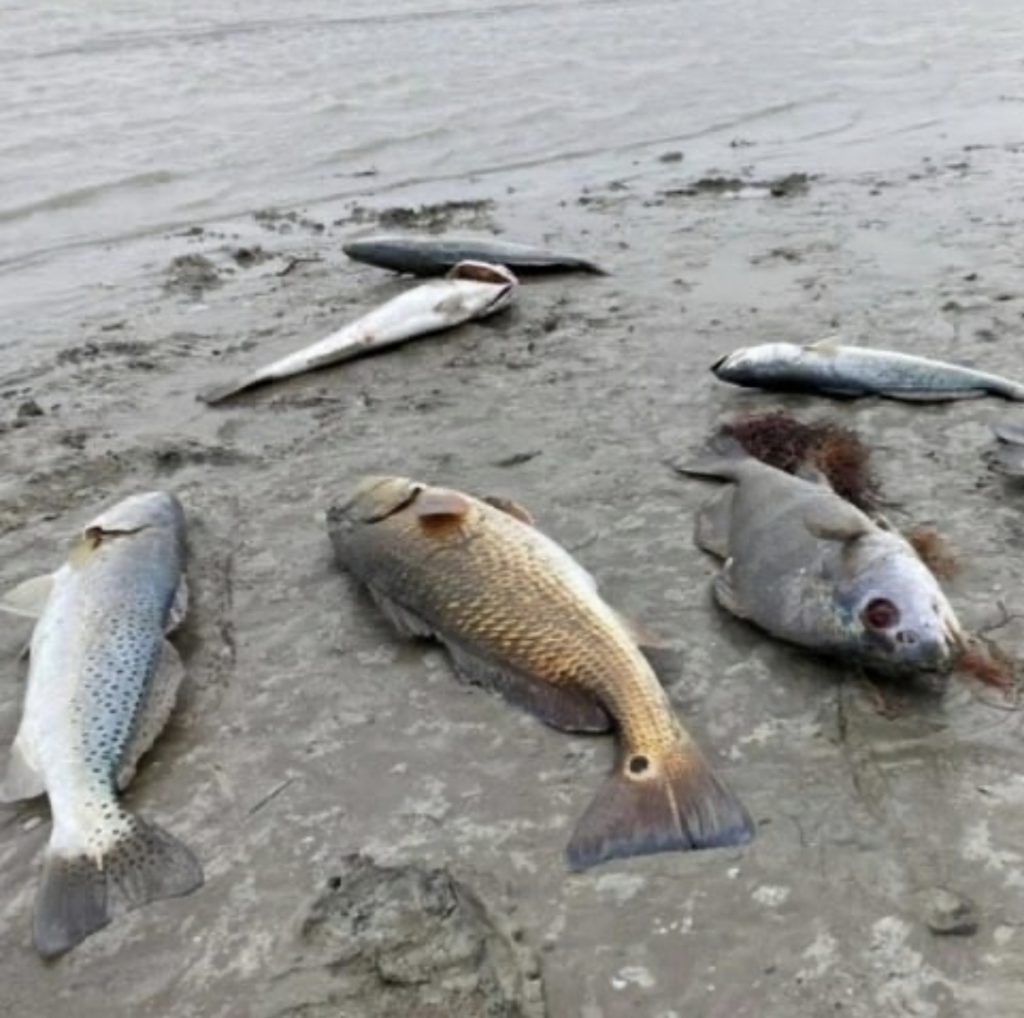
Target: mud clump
[
  {"x": 393, "y": 942},
  {"x": 788, "y": 186},
  {"x": 191, "y": 274}
]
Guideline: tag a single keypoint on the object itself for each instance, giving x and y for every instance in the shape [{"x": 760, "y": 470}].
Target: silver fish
[
  {"x": 1010, "y": 452},
  {"x": 102, "y": 684},
  {"x": 812, "y": 569},
  {"x": 432, "y": 256},
  {"x": 830, "y": 368},
  {"x": 472, "y": 290}
]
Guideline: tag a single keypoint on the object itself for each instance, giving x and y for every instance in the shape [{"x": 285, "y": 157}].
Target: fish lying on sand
[
  {"x": 102, "y": 684},
  {"x": 519, "y": 615},
  {"x": 1010, "y": 452},
  {"x": 812, "y": 569},
  {"x": 472, "y": 290},
  {"x": 835, "y": 370},
  {"x": 431, "y": 256}
]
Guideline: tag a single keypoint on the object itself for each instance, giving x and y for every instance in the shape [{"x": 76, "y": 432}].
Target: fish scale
[{"x": 519, "y": 615}]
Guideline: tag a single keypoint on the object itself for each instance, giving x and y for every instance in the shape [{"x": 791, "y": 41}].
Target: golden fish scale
[{"x": 490, "y": 581}]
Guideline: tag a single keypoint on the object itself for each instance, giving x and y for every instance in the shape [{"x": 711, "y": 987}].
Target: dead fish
[
  {"x": 835, "y": 370},
  {"x": 102, "y": 684},
  {"x": 807, "y": 566},
  {"x": 518, "y": 614},
  {"x": 432, "y": 256},
  {"x": 1010, "y": 452},
  {"x": 472, "y": 290}
]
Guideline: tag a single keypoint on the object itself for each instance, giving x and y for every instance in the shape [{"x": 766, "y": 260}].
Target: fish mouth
[
  {"x": 483, "y": 272},
  {"x": 721, "y": 363}
]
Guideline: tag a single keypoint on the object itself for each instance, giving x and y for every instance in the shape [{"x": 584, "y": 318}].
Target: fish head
[
  {"x": 903, "y": 622},
  {"x": 754, "y": 365},
  {"x": 376, "y": 497},
  {"x": 502, "y": 280},
  {"x": 149, "y": 510}
]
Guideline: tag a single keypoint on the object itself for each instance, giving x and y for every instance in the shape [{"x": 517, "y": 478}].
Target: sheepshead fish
[
  {"x": 433, "y": 256},
  {"x": 102, "y": 683},
  {"x": 835, "y": 370},
  {"x": 472, "y": 290},
  {"x": 518, "y": 615},
  {"x": 810, "y": 568}
]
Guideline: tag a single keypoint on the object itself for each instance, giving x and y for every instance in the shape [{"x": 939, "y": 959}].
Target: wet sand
[{"x": 308, "y": 732}]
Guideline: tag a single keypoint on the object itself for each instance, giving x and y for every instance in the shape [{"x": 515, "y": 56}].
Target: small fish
[
  {"x": 835, "y": 370},
  {"x": 1010, "y": 452},
  {"x": 430, "y": 256},
  {"x": 472, "y": 290},
  {"x": 102, "y": 684},
  {"x": 517, "y": 614},
  {"x": 807, "y": 566}
]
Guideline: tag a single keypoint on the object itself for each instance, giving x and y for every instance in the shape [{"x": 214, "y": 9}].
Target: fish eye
[{"x": 880, "y": 613}]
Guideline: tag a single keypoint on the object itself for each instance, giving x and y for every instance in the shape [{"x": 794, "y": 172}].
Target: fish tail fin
[
  {"x": 81, "y": 891},
  {"x": 214, "y": 394},
  {"x": 676, "y": 803},
  {"x": 722, "y": 458}
]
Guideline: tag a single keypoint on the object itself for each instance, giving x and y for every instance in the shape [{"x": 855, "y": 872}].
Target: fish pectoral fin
[
  {"x": 405, "y": 622},
  {"x": 157, "y": 707},
  {"x": 561, "y": 707},
  {"x": 28, "y": 599},
  {"x": 650, "y": 805},
  {"x": 1012, "y": 434},
  {"x": 511, "y": 508},
  {"x": 932, "y": 395},
  {"x": 22, "y": 780},
  {"x": 725, "y": 592},
  {"x": 828, "y": 345},
  {"x": 714, "y": 521},
  {"x": 80, "y": 893},
  {"x": 433, "y": 503},
  {"x": 179, "y": 607},
  {"x": 833, "y": 519}
]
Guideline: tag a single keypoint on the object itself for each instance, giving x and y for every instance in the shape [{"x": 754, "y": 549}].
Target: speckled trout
[
  {"x": 836, "y": 370},
  {"x": 102, "y": 684},
  {"x": 472, "y": 290},
  {"x": 518, "y": 615}
]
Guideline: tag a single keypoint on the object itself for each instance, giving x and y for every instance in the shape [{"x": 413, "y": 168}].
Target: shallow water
[{"x": 131, "y": 118}]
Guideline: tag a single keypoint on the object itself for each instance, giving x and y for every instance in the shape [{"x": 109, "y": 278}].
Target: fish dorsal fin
[
  {"x": 828, "y": 345},
  {"x": 440, "y": 503},
  {"x": 835, "y": 520},
  {"x": 512, "y": 508},
  {"x": 28, "y": 599}
]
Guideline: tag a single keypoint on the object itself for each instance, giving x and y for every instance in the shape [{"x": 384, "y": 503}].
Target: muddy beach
[
  {"x": 308, "y": 733},
  {"x": 379, "y": 839}
]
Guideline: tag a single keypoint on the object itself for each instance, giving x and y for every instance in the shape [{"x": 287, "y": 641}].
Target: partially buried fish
[
  {"x": 812, "y": 569},
  {"x": 519, "y": 615},
  {"x": 472, "y": 290},
  {"x": 432, "y": 256},
  {"x": 835, "y": 370},
  {"x": 102, "y": 684},
  {"x": 1010, "y": 452}
]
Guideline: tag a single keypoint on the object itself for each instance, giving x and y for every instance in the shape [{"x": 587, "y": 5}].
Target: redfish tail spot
[
  {"x": 650, "y": 805},
  {"x": 80, "y": 894}
]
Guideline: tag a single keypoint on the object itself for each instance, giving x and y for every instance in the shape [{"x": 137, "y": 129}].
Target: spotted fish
[{"x": 102, "y": 683}]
